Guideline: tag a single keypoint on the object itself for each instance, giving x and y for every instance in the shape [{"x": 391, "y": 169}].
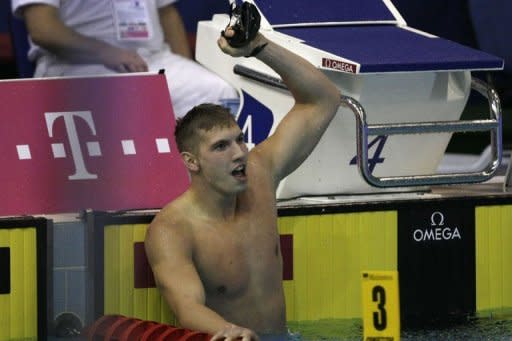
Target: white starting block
[{"x": 404, "y": 91}]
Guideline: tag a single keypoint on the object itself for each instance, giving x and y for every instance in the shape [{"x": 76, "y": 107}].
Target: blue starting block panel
[
  {"x": 305, "y": 12},
  {"x": 390, "y": 48},
  {"x": 372, "y": 35}
]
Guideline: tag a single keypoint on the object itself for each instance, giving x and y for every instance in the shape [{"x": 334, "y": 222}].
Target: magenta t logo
[{"x": 81, "y": 172}]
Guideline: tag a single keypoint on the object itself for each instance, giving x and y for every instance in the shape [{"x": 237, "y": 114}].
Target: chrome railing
[{"x": 364, "y": 130}]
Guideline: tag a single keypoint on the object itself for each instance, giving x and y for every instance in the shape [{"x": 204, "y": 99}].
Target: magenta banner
[{"x": 102, "y": 143}]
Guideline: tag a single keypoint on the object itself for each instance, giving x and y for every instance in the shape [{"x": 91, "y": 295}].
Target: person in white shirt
[{"x": 97, "y": 37}]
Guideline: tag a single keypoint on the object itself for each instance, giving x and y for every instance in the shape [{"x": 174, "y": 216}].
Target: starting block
[{"x": 404, "y": 92}]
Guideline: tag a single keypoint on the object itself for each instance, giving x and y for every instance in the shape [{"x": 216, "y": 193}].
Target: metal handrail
[{"x": 493, "y": 124}]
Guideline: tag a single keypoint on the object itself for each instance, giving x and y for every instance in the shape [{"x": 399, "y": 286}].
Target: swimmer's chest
[{"x": 233, "y": 257}]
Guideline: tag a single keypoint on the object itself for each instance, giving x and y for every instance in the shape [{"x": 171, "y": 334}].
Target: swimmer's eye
[{"x": 220, "y": 145}]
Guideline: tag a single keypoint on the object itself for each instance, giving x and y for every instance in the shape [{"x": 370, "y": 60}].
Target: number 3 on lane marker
[{"x": 381, "y": 308}]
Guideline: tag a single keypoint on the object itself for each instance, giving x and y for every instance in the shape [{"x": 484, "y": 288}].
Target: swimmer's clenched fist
[{"x": 259, "y": 42}]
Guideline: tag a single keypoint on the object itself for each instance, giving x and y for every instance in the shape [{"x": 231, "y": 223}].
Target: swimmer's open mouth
[{"x": 239, "y": 171}]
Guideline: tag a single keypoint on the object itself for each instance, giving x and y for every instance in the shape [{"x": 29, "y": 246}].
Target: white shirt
[
  {"x": 96, "y": 18},
  {"x": 189, "y": 83}
]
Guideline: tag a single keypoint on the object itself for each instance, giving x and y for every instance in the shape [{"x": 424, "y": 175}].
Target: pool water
[{"x": 492, "y": 329}]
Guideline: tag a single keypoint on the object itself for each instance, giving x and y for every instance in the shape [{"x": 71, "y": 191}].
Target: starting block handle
[
  {"x": 494, "y": 125},
  {"x": 259, "y": 77}
]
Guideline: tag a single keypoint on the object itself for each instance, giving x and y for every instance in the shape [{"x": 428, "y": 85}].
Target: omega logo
[
  {"x": 338, "y": 65},
  {"x": 436, "y": 231}
]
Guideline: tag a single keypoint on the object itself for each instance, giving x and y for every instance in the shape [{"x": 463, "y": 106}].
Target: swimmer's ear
[{"x": 190, "y": 161}]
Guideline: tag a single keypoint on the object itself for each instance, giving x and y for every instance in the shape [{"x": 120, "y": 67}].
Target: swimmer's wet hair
[{"x": 202, "y": 117}]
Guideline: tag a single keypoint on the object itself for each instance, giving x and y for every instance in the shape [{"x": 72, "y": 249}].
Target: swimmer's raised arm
[{"x": 316, "y": 102}]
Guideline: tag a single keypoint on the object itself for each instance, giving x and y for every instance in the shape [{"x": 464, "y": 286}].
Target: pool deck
[{"x": 489, "y": 192}]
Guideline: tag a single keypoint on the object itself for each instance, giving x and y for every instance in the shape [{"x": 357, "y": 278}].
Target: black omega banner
[{"x": 436, "y": 261}]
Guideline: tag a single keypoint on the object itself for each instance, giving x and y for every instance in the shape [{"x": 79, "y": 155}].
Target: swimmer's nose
[{"x": 241, "y": 151}]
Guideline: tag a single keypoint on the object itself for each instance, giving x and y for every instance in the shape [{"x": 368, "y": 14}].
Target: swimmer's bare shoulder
[
  {"x": 169, "y": 249},
  {"x": 168, "y": 241},
  {"x": 172, "y": 214}
]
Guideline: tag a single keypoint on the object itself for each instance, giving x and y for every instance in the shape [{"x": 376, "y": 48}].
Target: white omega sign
[{"x": 437, "y": 231}]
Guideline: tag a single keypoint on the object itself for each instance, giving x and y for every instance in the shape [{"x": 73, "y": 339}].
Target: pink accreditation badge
[{"x": 132, "y": 20}]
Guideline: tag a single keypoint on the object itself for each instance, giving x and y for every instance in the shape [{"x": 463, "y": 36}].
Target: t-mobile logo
[
  {"x": 77, "y": 148},
  {"x": 81, "y": 172}
]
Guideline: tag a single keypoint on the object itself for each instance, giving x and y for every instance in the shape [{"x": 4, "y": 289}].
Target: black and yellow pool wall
[
  {"x": 452, "y": 257},
  {"x": 25, "y": 282}
]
